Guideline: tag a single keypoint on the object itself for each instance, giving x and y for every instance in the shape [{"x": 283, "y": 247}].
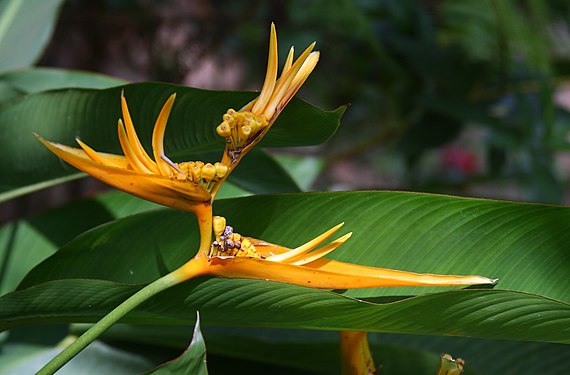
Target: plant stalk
[{"x": 108, "y": 320}]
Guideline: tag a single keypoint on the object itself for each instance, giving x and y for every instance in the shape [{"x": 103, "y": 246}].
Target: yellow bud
[
  {"x": 221, "y": 170},
  {"x": 244, "y": 132},
  {"x": 245, "y": 243},
  {"x": 228, "y": 118},
  {"x": 186, "y": 167},
  {"x": 264, "y": 122},
  {"x": 196, "y": 173},
  {"x": 199, "y": 164},
  {"x": 219, "y": 225},
  {"x": 224, "y": 130},
  {"x": 208, "y": 172},
  {"x": 239, "y": 118}
]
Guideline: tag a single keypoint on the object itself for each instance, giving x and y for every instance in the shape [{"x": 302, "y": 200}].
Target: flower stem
[{"x": 108, "y": 320}]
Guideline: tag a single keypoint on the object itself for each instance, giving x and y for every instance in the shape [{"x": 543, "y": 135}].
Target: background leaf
[
  {"x": 192, "y": 361},
  {"x": 25, "y": 29},
  {"x": 34, "y": 80}
]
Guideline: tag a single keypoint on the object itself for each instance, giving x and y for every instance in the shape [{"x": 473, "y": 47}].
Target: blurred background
[{"x": 459, "y": 97}]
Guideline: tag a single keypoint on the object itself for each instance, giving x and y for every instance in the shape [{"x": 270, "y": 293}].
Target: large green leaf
[
  {"x": 25, "y": 29},
  {"x": 62, "y": 115},
  {"x": 522, "y": 244}
]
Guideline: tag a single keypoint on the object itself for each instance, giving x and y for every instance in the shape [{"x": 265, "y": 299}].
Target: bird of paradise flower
[{"x": 192, "y": 186}]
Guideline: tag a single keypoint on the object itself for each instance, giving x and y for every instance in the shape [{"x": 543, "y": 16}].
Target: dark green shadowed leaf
[
  {"x": 92, "y": 115},
  {"x": 317, "y": 351},
  {"x": 192, "y": 361}
]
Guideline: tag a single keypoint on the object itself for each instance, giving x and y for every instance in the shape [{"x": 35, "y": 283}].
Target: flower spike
[
  {"x": 242, "y": 129},
  {"x": 233, "y": 255},
  {"x": 184, "y": 186}
]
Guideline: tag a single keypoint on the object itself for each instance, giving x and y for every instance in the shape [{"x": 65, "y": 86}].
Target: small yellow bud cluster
[
  {"x": 197, "y": 171},
  {"x": 239, "y": 127},
  {"x": 229, "y": 243}
]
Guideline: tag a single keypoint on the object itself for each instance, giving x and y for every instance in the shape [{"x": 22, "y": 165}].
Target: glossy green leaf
[
  {"x": 25, "y": 29},
  {"x": 62, "y": 115},
  {"x": 522, "y": 244},
  {"x": 192, "y": 361}
]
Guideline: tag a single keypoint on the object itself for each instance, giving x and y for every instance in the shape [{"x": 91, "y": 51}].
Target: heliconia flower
[
  {"x": 183, "y": 186},
  {"x": 235, "y": 256},
  {"x": 245, "y": 127}
]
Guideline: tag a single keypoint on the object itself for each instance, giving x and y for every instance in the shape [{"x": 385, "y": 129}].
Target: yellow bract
[
  {"x": 234, "y": 255},
  {"x": 179, "y": 185},
  {"x": 244, "y": 128}
]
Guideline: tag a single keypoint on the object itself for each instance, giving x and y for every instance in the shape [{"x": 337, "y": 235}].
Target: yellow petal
[
  {"x": 180, "y": 194},
  {"x": 314, "y": 255},
  {"x": 395, "y": 277},
  {"x": 158, "y": 136},
  {"x": 98, "y": 157},
  {"x": 301, "y": 76},
  {"x": 135, "y": 162},
  {"x": 270, "y": 75},
  {"x": 303, "y": 249},
  {"x": 288, "y": 62},
  {"x": 274, "y": 107},
  {"x": 134, "y": 139},
  {"x": 253, "y": 268}
]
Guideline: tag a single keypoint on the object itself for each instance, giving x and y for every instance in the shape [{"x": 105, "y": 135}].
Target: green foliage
[{"x": 426, "y": 73}]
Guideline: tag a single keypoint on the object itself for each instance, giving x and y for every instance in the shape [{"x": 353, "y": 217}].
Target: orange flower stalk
[{"x": 355, "y": 355}]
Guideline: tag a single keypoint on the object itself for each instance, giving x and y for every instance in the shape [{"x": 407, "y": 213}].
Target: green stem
[{"x": 108, "y": 320}]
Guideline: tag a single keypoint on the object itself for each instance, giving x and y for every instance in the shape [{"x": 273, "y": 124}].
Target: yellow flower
[
  {"x": 184, "y": 186},
  {"x": 232, "y": 255},
  {"x": 244, "y": 128}
]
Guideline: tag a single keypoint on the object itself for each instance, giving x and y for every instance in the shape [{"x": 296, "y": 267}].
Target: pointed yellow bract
[
  {"x": 236, "y": 256},
  {"x": 244, "y": 128},
  {"x": 183, "y": 186}
]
